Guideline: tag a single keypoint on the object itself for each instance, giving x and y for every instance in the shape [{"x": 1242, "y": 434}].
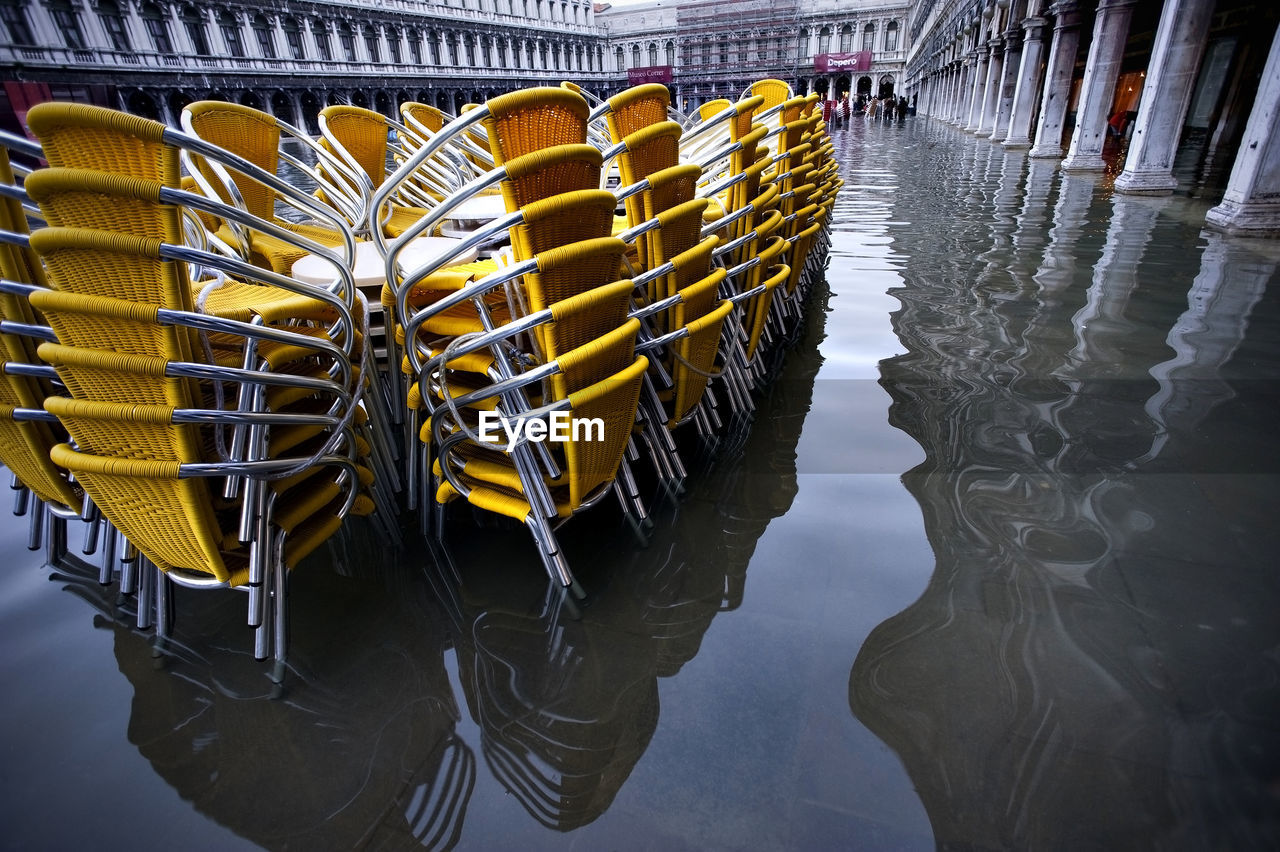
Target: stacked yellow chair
[{"x": 176, "y": 387}]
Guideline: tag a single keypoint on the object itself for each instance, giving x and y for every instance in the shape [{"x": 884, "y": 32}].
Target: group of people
[{"x": 875, "y": 107}]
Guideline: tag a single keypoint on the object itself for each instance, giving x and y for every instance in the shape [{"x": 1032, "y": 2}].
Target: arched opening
[
  {"x": 177, "y": 100},
  {"x": 843, "y": 83},
  {"x": 382, "y": 103},
  {"x": 864, "y": 86},
  {"x": 282, "y": 107},
  {"x": 141, "y": 103},
  {"x": 886, "y": 87},
  {"x": 360, "y": 99},
  {"x": 310, "y": 109}
]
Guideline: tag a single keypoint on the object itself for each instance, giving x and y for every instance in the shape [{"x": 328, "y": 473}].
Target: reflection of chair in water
[
  {"x": 338, "y": 765},
  {"x": 566, "y": 708}
]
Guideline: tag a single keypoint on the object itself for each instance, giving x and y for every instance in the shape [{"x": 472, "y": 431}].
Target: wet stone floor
[{"x": 994, "y": 568}]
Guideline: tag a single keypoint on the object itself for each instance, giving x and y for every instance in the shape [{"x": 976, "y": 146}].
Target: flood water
[{"x": 995, "y": 567}]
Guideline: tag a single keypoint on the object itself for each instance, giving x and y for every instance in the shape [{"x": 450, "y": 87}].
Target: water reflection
[
  {"x": 364, "y": 753},
  {"x": 420, "y": 682},
  {"x": 1093, "y": 662}
]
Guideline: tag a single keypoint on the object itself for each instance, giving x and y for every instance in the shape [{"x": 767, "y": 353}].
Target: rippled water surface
[{"x": 994, "y": 568}]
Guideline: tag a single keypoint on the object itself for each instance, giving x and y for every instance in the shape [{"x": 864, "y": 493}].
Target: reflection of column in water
[
  {"x": 996, "y": 686},
  {"x": 1101, "y": 326},
  {"x": 1231, "y": 282},
  {"x": 1029, "y": 232}
]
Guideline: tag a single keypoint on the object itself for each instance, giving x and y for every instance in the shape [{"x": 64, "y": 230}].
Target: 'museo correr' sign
[{"x": 825, "y": 63}]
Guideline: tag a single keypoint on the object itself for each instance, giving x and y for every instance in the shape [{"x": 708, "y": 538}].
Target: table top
[
  {"x": 479, "y": 208},
  {"x": 370, "y": 267}
]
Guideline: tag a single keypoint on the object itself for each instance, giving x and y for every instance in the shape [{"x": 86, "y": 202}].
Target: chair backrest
[
  {"x": 593, "y": 461},
  {"x": 168, "y": 517},
  {"x": 636, "y": 108},
  {"x": 550, "y": 171},
  {"x": 531, "y": 119},
  {"x": 246, "y": 132},
  {"x": 92, "y": 137},
  {"x": 102, "y": 201},
  {"x": 773, "y": 91},
  {"x": 562, "y": 219},
  {"x": 360, "y": 134}
]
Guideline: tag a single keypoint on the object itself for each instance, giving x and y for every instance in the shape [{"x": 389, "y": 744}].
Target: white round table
[{"x": 370, "y": 267}]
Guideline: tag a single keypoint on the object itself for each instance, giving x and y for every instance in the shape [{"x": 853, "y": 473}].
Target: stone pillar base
[
  {"x": 1248, "y": 220},
  {"x": 1087, "y": 163},
  {"x": 1148, "y": 183},
  {"x": 1054, "y": 153},
  {"x": 1018, "y": 144}
]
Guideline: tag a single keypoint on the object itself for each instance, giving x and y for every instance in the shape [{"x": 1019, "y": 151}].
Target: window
[
  {"x": 348, "y": 41},
  {"x": 230, "y": 26},
  {"x": 322, "y": 40},
  {"x": 618, "y": 60},
  {"x": 764, "y": 50},
  {"x": 67, "y": 20},
  {"x": 415, "y": 46},
  {"x": 486, "y": 52},
  {"x": 16, "y": 23},
  {"x": 470, "y": 47},
  {"x": 846, "y": 38},
  {"x": 706, "y": 52},
  {"x": 293, "y": 38},
  {"x": 193, "y": 23},
  {"x": 635, "y": 56},
  {"x": 371, "y": 43},
  {"x": 502, "y": 52},
  {"x": 723, "y": 51},
  {"x": 781, "y": 47},
  {"x": 542, "y": 53},
  {"x": 393, "y": 44},
  {"x": 451, "y": 42},
  {"x": 671, "y": 53},
  {"x": 891, "y": 36},
  {"x": 262, "y": 31},
  {"x": 109, "y": 12},
  {"x": 869, "y": 37},
  {"x": 824, "y": 40},
  {"x": 433, "y": 42},
  {"x": 157, "y": 28}
]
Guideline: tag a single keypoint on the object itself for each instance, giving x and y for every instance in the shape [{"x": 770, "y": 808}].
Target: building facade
[
  {"x": 293, "y": 57},
  {"x": 715, "y": 50}
]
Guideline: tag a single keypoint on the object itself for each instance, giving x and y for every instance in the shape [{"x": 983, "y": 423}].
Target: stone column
[
  {"x": 1008, "y": 84},
  {"x": 976, "y": 91},
  {"x": 1057, "y": 84},
  {"x": 1171, "y": 77},
  {"x": 1098, "y": 91},
  {"x": 1024, "y": 93},
  {"x": 961, "y": 92},
  {"x": 991, "y": 90},
  {"x": 1251, "y": 204}
]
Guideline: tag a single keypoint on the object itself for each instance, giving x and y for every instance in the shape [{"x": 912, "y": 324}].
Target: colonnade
[{"x": 995, "y": 81}]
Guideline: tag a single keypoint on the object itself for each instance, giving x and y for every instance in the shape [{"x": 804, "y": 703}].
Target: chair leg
[
  {"x": 280, "y": 619},
  {"x": 164, "y": 611},
  {"x": 21, "y": 497},
  {"x": 93, "y": 529},
  {"x": 110, "y": 542},
  {"x": 129, "y": 569},
  {"x": 35, "y": 530},
  {"x": 146, "y": 592}
]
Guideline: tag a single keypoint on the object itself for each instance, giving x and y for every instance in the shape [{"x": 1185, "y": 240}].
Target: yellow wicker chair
[
  {"x": 256, "y": 136},
  {"x": 359, "y": 137}
]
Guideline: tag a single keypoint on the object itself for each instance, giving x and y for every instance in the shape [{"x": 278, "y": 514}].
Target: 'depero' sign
[{"x": 825, "y": 63}]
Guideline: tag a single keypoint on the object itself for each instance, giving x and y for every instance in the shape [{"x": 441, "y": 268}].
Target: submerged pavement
[{"x": 994, "y": 568}]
